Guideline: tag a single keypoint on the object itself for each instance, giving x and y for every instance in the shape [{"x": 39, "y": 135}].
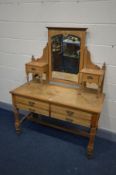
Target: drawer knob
[
  {"x": 33, "y": 69},
  {"x": 90, "y": 77},
  {"x": 31, "y": 103},
  {"x": 70, "y": 113}
]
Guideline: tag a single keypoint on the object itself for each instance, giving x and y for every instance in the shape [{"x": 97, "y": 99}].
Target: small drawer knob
[
  {"x": 70, "y": 113},
  {"x": 89, "y": 77},
  {"x": 33, "y": 68},
  {"x": 31, "y": 103}
]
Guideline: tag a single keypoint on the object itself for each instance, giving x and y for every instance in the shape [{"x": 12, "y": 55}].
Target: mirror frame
[{"x": 78, "y": 32}]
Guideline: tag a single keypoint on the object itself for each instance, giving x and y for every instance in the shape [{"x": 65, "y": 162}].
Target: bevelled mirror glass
[{"x": 65, "y": 54}]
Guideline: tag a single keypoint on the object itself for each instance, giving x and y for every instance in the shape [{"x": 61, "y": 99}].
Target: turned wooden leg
[
  {"x": 98, "y": 91},
  {"x": 93, "y": 129},
  {"x": 17, "y": 121},
  {"x": 27, "y": 77},
  {"x": 47, "y": 78},
  {"x": 82, "y": 87},
  {"x": 90, "y": 147},
  {"x": 41, "y": 78}
]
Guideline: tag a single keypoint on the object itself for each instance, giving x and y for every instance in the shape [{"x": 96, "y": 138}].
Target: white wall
[{"x": 23, "y": 33}]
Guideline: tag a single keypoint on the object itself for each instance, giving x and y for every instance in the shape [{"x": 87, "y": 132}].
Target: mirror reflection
[{"x": 65, "y": 55}]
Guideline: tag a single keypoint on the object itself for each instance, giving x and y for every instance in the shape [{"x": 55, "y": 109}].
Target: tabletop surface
[{"x": 60, "y": 95}]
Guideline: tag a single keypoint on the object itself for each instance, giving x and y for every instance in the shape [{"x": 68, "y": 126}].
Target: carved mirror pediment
[{"x": 66, "y": 48}]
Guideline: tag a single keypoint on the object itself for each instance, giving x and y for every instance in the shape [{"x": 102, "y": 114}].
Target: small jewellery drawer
[
  {"x": 71, "y": 115},
  {"x": 31, "y": 69},
  {"x": 90, "y": 78},
  {"x": 32, "y": 105}
]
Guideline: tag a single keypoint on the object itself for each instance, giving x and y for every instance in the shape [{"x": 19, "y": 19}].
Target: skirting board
[{"x": 102, "y": 133}]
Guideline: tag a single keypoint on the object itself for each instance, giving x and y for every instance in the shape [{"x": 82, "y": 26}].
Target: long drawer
[
  {"x": 32, "y": 105},
  {"x": 71, "y": 115}
]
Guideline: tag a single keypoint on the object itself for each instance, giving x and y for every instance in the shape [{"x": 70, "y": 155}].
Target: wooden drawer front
[
  {"x": 32, "y": 109},
  {"x": 90, "y": 78},
  {"x": 32, "y": 105},
  {"x": 71, "y": 115},
  {"x": 31, "y": 69}
]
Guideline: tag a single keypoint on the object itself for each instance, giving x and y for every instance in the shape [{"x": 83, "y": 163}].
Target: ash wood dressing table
[{"x": 64, "y": 103}]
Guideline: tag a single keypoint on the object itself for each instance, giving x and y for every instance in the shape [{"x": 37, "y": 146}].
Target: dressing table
[{"x": 55, "y": 89}]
